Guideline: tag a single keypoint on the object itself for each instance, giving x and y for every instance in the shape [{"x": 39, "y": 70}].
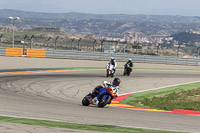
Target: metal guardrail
[
  {"x": 121, "y": 57},
  {"x": 3, "y": 51},
  {"x": 118, "y": 56}
]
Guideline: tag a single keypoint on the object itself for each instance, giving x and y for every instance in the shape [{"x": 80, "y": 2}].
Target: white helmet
[{"x": 129, "y": 59}]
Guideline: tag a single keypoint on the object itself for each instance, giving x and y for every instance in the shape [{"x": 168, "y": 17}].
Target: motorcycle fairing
[{"x": 103, "y": 91}]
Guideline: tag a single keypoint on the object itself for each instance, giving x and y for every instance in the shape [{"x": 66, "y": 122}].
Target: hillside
[
  {"x": 100, "y": 25},
  {"x": 186, "y": 37},
  {"x": 111, "y": 17}
]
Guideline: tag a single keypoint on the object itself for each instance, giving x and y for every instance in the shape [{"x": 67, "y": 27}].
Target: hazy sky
[{"x": 154, "y": 7}]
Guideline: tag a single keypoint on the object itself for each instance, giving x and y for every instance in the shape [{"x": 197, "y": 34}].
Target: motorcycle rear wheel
[{"x": 85, "y": 102}]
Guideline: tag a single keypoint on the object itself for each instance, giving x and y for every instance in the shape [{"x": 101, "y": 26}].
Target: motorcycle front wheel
[
  {"x": 124, "y": 72},
  {"x": 107, "y": 73},
  {"x": 104, "y": 101}
]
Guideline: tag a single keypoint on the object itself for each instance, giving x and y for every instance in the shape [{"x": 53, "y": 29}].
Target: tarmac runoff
[{"x": 114, "y": 103}]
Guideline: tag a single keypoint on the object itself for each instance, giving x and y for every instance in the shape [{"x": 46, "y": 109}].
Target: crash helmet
[
  {"x": 116, "y": 81},
  {"x": 112, "y": 60},
  {"x": 129, "y": 59}
]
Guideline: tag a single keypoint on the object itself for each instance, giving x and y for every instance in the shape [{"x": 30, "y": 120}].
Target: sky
[{"x": 149, "y": 7}]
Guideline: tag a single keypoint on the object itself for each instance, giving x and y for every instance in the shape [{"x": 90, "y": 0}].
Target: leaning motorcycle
[
  {"x": 110, "y": 70},
  {"x": 127, "y": 70},
  {"x": 104, "y": 97}
]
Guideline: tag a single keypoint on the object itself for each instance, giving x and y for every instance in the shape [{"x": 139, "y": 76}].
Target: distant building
[
  {"x": 193, "y": 32},
  {"x": 130, "y": 37}
]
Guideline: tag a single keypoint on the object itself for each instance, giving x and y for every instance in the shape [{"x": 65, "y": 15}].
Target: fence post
[{"x": 56, "y": 42}]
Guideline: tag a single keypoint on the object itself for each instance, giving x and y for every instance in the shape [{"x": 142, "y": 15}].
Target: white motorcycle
[{"x": 110, "y": 70}]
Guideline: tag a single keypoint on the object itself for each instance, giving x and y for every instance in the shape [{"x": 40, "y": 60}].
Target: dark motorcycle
[{"x": 127, "y": 70}]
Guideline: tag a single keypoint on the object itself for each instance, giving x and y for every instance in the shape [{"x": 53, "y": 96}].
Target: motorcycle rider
[
  {"x": 114, "y": 85},
  {"x": 114, "y": 63},
  {"x": 128, "y": 67},
  {"x": 129, "y": 63}
]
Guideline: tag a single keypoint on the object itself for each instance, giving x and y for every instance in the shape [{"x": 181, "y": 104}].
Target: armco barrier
[
  {"x": 3, "y": 51},
  {"x": 14, "y": 51},
  {"x": 35, "y": 53},
  {"x": 121, "y": 57},
  {"x": 99, "y": 56}
]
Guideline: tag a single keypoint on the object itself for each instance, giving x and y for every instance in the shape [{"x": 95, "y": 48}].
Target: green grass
[
  {"x": 168, "y": 69},
  {"x": 188, "y": 100},
  {"x": 89, "y": 67},
  {"x": 119, "y": 68},
  {"x": 137, "y": 99},
  {"x": 99, "y": 128},
  {"x": 140, "y": 68}
]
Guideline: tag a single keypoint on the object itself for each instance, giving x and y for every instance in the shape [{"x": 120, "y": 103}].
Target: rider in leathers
[
  {"x": 129, "y": 63},
  {"x": 114, "y": 85},
  {"x": 114, "y": 63}
]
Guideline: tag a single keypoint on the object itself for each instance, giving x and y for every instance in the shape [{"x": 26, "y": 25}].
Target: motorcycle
[
  {"x": 104, "y": 97},
  {"x": 127, "y": 70},
  {"x": 110, "y": 70}
]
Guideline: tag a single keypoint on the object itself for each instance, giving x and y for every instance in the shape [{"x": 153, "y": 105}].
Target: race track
[{"x": 58, "y": 95}]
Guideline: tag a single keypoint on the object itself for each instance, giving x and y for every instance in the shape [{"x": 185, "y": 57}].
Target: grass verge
[
  {"x": 78, "y": 126},
  {"x": 137, "y": 99},
  {"x": 140, "y": 68},
  {"x": 187, "y": 100},
  {"x": 120, "y": 68}
]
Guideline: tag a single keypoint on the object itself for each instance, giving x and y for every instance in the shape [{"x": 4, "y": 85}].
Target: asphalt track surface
[{"x": 58, "y": 95}]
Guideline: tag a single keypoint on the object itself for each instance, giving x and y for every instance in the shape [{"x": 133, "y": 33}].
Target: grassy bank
[
  {"x": 104, "y": 68},
  {"x": 188, "y": 100},
  {"x": 99, "y": 128},
  {"x": 177, "y": 97},
  {"x": 140, "y": 68}
]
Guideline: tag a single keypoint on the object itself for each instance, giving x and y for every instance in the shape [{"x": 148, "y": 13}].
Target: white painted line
[{"x": 160, "y": 88}]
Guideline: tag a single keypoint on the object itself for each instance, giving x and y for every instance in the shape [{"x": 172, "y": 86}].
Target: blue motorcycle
[{"x": 104, "y": 97}]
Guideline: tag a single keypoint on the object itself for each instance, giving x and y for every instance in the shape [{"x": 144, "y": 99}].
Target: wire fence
[
  {"x": 121, "y": 57},
  {"x": 93, "y": 55},
  {"x": 2, "y": 51}
]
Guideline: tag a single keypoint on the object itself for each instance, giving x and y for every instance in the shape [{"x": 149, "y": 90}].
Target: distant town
[
  {"x": 142, "y": 34},
  {"x": 165, "y": 40}
]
